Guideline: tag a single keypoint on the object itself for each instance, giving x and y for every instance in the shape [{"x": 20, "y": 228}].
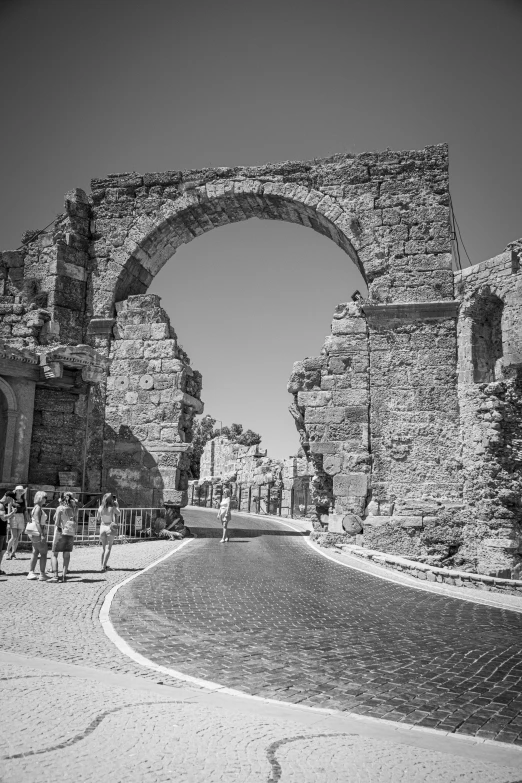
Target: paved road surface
[
  {"x": 74, "y": 708},
  {"x": 269, "y": 616}
]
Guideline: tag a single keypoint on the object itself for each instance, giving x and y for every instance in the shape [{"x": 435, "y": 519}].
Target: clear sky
[{"x": 105, "y": 86}]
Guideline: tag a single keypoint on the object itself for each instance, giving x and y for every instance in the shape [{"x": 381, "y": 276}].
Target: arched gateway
[{"x": 378, "y": 412}]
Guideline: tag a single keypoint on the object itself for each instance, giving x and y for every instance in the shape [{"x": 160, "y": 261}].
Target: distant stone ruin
[
  {"x": 258, "y": 483},
  {"x": 410, "y": 417}
]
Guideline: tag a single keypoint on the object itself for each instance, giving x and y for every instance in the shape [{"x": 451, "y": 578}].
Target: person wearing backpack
[
  {"x": 108, "y": 517},
  {"x": 37, "y": 532},
  {"x": 64, "y": 532}
]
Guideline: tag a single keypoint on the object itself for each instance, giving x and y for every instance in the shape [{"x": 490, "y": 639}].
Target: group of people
[{"x": 15, "y": 516}]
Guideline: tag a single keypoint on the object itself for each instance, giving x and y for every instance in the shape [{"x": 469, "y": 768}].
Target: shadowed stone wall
[{"x": 152, "y": 397}]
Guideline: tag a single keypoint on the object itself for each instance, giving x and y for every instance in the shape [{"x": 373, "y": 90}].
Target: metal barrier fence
[
  {"x": 259, "y": 499},
  {"x": 134, "y": 524}
]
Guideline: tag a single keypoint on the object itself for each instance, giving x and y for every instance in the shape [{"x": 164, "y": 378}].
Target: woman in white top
[
  {"x": 37, "y": 532},
  {"x": 108, "y": 517},
  {"x": 224, "y": 514}
]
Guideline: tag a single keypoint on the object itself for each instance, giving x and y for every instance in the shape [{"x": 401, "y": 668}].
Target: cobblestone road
[
  {"x": 62, "y": 722},
  {"x": 267, "y": 615}
]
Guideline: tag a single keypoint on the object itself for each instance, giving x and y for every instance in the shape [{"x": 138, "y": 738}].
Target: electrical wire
[
  {"x": 463, "y": 245},
  {"x": 454, "y": 238},
  {"x": 38, "y": 233}
]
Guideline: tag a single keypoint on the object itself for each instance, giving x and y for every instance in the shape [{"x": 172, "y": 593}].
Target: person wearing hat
[{"x": 18, "y": 522}]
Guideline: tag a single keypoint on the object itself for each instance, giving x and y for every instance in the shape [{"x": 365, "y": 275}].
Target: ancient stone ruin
[
  {"x": 258, "y": 483},
  {"x": 410, "y": 417}
]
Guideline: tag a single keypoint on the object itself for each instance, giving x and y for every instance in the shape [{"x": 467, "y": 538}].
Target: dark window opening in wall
[{"x": 487, "y": 339}]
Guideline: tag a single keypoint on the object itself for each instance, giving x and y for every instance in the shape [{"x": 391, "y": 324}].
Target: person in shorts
[
  {"x": 7, "y": 512},
  {"x": 37, "y": 532},
  {"x": 18, "y": 521},
  {"x": 64, "y": 531},
  {"x": 108, "y": 517}
]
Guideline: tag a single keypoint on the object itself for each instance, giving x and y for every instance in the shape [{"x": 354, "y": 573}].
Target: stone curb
[{"x": 432, "y": 573}]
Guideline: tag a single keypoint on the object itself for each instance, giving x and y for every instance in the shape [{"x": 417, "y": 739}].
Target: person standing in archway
[
  {"x": 18, "y": 522},
  {"x": 224, "y": 514}
]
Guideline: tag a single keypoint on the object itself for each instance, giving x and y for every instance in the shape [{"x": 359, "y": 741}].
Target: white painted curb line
[{"x": 127, "y": 650}]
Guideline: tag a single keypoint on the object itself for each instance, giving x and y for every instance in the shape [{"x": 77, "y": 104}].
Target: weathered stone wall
[
  {"x": 45, "y": 282},
  {"x": 222, "y": 458},
  {"x": 331, "y": 406},
  {"x": 58, "y": 434},
  {"x": 431, "y": 465},
  {"x": 490, "y": 396},
  {"x": 414, "y": 421},
  {"x": 152, "y": 396}
]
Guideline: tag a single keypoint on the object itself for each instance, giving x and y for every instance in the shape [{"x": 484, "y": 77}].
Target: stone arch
[
  {"x": 152, "y": 241},
  {"x": 8, "y": 419}
]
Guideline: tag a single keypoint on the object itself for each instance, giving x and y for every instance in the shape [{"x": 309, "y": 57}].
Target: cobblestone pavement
[
  {"x": 58, "y": 727},
  {"x": 60, "y": 621},
  {"x": 268, "y": 615}
]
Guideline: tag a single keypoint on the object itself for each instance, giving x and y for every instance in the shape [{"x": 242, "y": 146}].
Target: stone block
[
  {"x": 407, "y": 521},
  {"x": 351, "y": 397},
  {"x": 324, "y": 447},
  {"x": 501, "y": 543},
  {"x": 341, "y": 344},
  {"x": 349, "y": 326},
  {"x": 332, "y": 464},
  {"x": 175, "y": 497},
  {"x": 377, "y": 521},
  {"x": 324, "y": 415},
  {"x": 314, "y": 398},
  {"x": 165, "y": 349},
  {"x": 351, "y": 484},
  {"x": 159, "y": 331},
  {"x": 335, "y": 523}
]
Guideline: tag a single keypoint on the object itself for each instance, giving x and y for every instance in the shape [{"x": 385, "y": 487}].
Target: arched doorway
[{"x": 8, "y": 417}]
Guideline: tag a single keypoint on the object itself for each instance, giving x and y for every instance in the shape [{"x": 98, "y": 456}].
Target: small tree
[
  {"x": 236, "y": 435},
  {"x": 249, "y": 438}
]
